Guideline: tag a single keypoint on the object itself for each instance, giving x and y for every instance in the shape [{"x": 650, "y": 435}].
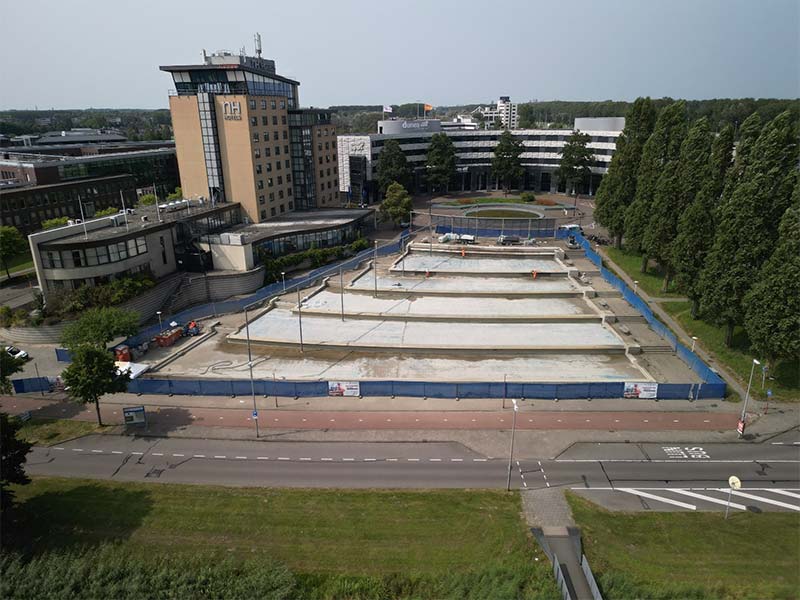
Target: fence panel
[
  {"x": 441, "y": 390},
  {"x": 63, "y": 355},
  {"x": 185, "y": 387},
  {"x": 311, "y": 389},
  {"x": 215, "y": 387},
  {"x": 572, "y": 390},
  {"x": 544, "y": 391},
  {"x": 31, "y": 384},
  {"x": 675, "y": 391}
]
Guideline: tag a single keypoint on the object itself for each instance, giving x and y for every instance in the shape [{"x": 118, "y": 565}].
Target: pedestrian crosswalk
[{"x": 707, "y": 499}]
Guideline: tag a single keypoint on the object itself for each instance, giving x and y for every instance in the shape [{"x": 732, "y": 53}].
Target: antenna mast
[{"x": 258, "y": 44}]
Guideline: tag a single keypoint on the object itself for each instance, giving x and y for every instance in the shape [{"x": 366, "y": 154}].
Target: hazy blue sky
[{"x": 106, "y": 53}]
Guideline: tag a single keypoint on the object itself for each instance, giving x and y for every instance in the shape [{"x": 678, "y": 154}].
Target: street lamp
[
  {"x": 250, "y": 365},
  {"x": 635, "y": 286},
  {"x": 694, "y": 341},
  {"x": 511, "y": 451},
  {"x": 747, "y": 394},
  {"x": 283, "y": 278},
  {"x": 160, "y": 326}
]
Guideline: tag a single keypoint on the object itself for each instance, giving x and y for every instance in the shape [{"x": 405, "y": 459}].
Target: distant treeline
[{"x": 136, "y": 124}]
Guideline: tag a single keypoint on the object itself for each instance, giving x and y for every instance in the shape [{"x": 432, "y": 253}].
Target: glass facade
[
  {"x": 96, "y": 255},
  {"x": 208, "y": 131},
  {"x": 297, "y": 242},
  {"x": 228, "y": 81}
]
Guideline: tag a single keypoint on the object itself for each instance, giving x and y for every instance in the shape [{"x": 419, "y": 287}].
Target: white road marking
[
  {"x": 177, "y": 455},
  {"x": 305, "y": 458},
  {"x": 370, "y": 459},
  {"x": 137, "y": 453},
  {"x": 669, "y": 460},
  {"x": 658, "y": 498},
  {"x": 77, "y": 449},
  {"x": 708, "y": 499},
  {"x": 435, "y": 459},
  {"x": 57, "y": 448},
  {"x": 284, "y": 458},
  {"x": 326, "y": 459},
  {"x": 478, "y": 460},
  {"x": 766, "y": 500},
  {"x": 456, "y": 459},
  {"x": 158, "y": 454},
  {"x": 391, "y": 460},
  {"x": 348, "y": 459},
  {"x": 223, "y": 456},
  {"x": 116, "y": 452},
  {"x": 262, "y": 457},
  {"x": 199, "y": 456},
  {"x": 241, "y": 457},
  {"x": 97, "y": 451},
  {"x": 412, "y": 459},
  {"x": 785, "y": 493}
]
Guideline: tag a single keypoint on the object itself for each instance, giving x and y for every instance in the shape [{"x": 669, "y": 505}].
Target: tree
[
  {"x": 746, "y": 234},
  {"x": 748, "y": 136},
  {"x": 55, "y": 222},
  {"x": 13, "y": 451},
  {"x": 697, "y": 225},
  {"x": 176, "y": 195},
  {"x": 392, "y": 167},
  {"x": 106, "y": 212},
  {"x": 441, "y": 163},
  {"x": 8, "y": 366},
  {"x": 772, "y": 306},
  {"x": 677, "y": 187},
  {"x": 506, "y": 163},
  {"x": 12, "y": 243},
  {"x": 396, "y": 205},
  {"x": 99, "y": 326},
  {"x": 147, "y": 199},
  {"x": 618, "y": 187},
  {"x": 576, "y": 161},
  {"x": 91, "y": 374},
  {"x": 662, "y": 147}
]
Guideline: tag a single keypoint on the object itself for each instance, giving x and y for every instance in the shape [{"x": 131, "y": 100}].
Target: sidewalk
[{"x": 652, "y": 302}]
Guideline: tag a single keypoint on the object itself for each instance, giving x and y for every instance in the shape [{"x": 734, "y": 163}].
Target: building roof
[
  {"x": 54, "y": 160},
  {"x": 27, "y": 189},
  {"x": 226, "y": 67},
  {"x": 299, "y": 222},
  {"x": 79, "y": 137}
]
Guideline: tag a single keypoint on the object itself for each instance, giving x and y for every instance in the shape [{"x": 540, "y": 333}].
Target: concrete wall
[
  {"x": 45, "y": 334},
  {"x": 220, "y": 286},
  {"x": 189, "y": 145},
  {"x": 230, "y": 257},
  {"x": 154, "y": 299}
]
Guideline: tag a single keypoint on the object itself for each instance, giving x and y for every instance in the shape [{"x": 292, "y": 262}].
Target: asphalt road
[{"x": 602, "y": 468}]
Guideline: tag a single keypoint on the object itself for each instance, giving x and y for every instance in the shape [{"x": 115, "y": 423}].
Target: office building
[
  {"x": 503, "y": 111},
  {"x": 241, "y": 137},
  {"x": 358, "y": 155}
]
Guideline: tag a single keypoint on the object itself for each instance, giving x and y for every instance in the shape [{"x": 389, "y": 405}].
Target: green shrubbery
[
  {"x": 106, "y": 212},
  {"x": 316, "y": 257},
  {"x": 53, "y": 223},
  {"x": 527, "y": 197}
]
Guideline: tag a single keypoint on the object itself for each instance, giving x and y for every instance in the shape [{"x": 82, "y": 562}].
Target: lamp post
[
  {"x": 300, "y": 317},
  {"x": 694, "y": 341},
  {"x": 250, "y": 364},
  {"x": 375, "y": 269},
  {"x": 160, "y": 326},
  {"x": 341, "y": 290},
  {"x": 511, "y": 451},
  {"x": 283, "y": 279},
  {"x": 747, "y": 394},
  {"x": 635, "y": 286}
]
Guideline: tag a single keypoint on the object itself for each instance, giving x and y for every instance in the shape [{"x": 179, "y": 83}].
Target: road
[{"x": 619, "y": 475}]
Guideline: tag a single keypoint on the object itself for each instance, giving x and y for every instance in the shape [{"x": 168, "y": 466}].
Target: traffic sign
[
  {"x": 255, "y": 414},
  {"x": 740, "y": 427},
  {"x": 734, "y": 482}
]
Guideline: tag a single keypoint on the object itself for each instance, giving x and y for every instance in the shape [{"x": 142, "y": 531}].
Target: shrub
[
  {"x": 527, "y": 197},
  {"x": 53, "y": 223},
  {"x": 147, "y": 199},
  {"x": 6, "y": 316},
  {"x": 359, "y": 245},
  {"x": 20, "y": 317},
  {"x": 106, "y": 212}
]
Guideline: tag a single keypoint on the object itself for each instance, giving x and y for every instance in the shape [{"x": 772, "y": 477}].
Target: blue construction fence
[
  {"x": 31, "y": 384},
  {"x": 494, "y": 227},
  {"x": 713, "y": 383},
  {"x": 211, "y": 309},
  {"x": 63, "y": 355}
]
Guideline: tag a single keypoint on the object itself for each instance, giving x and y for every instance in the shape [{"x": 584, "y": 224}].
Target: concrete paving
[
  {"x": 282, "y": 326},
  {"x": 455, "y": 263},
  {"x": 466, "y": 285}
]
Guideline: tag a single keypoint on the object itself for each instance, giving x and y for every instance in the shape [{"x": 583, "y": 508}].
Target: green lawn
[
  {"x": 420, "y": 544},
  {"x": 46, "y": 432},
  {"x": 504, "y": 213},
  {"x": 18, "y": 263},
  {"x": 651, "y": 282},
  {"x": 690, "y": 555},
  {"x": 499, "y": 200},
  {"x": 785, "y": 386}
]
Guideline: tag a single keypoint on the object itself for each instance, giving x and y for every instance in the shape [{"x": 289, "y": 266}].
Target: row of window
[
  {"x": 265, "y": 120},
  {"x": 272, "y": 104},
  {"x": 327, "y": 158},
  {"x": 278, "y": 166},
  {"x": 262, "y": 200},
  {"x": 267, "y": 151},
  {"x": 275, "y": 136},
  {"x": 322, "y": 172},
  {"x": 100, "y": 255},
  {"x": 270, "y": 182},
  {"x": 273, "y": 212},
  {"x": 329, "y": 185}
]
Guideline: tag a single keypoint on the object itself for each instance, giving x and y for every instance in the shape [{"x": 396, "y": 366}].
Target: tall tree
[
  {"x": 662, "y": 147},
  {"x": 772, "y": 306},
  {"x": 13, "y": 451},
  {"x": 441, "y": 161},
  {"x": 748, "y": 136},
  {"x": 8, "y": 366},
  {"x": 99, "y": 326},
  {"x": 576, "y": 161},
  {"x": 677, "y": 187},
  {"x": 746, "y": 235},
  {"x": 506, "y": 162},
  {"x": 392, "y": 166},
  {"x": 697, "y": 224},
  {"x": 12, "y": 243},
  {"x": 92, "y": 374},
  {"x": 618, "y": 188},
  {"x": 396, "y": 205}
]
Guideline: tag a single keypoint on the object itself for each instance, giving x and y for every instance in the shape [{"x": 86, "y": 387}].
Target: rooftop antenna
[{"x": 258, "y": 44}]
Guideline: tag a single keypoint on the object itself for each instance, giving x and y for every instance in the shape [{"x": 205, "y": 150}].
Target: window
[
  {"x": 319, "y": 147},
  {"x": 102, "y": 255},
  {"x": 260, "y": 184},
  {"x": 264, "y": 107},
  {"x": 258, "y": 169},
  {"x": 54, "y": 260},
  {"x": 261, "y": 200},
  {"x": 253, "y": 121},
  {"x": 277, "y": 149},
  {"x": 335, "y": 170},
  {"x": 132, "y": 250},
  {"x": 322, "y": 187},
  {"x": 329, "y": 172},
  {"x": 272, "y": 211},
  {"x": 269, "y": 181},
  {"x": 327, "y": 158},
  {"x": 264, "y": 120},
  {"x": 288, "y": 178},
  {"x": 252, "y": 104},
  {"x": 287, "y": 163},
  {"x": 141, "y": 244},
  {"x": 327, "y": 146},
  {"x": 326, "y": 132},
  {"x": 274, "y": 119},
  {"x": 278, "y": 165},
  {"x": 283, "y": 105},
  {"x": 291, "y": 206},
  {"x": 272, "y": 104},
  {"x": 267, "y": 151},
  {"x": 286, "y": 149},
  {"x": 280, "y": 195},
  {"x": 321, "y": 173},
  {"x": 255, "y": 136},
  {"x": 289, "y": 192},
  {"x": 269, "y": 167},
  {"x": 257, "y": 153},
  {"x": 280, "y": 180},
  {"x": 275, "y": 135},
  {"x": 320, "y": 160},
  {"x": 272, "y": 198},
  {"x": 285, "y": 134},
  {"x": 266, "y": 136},
  {"x": 336, "y": 182},
  {"x": 283, "y": 208},
  {"x": 263, "y": 214}
]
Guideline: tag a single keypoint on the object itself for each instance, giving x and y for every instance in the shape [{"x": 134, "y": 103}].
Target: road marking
[
  {"x": 785, "y": 493},
  {"x": 241, "y": 457},
  {"x": 370, "y": 459},
  {"x": 177, "y": 455},
  {"x": 116, "y": 452},
  {"x": 708, "y": 499},
  {"x": 523, "y": 483},
  {"x": 262, "y": 457},
  {"x": 199, "y": 456},
  {"x": 616, "y": 420},
  {"x": 348, "y": 459},
  {"x": 388, "y": 420},
  {"x": 97, "y": 451},
  {"x": 284, "y": 458},
  {"x": 706, "y": 420},
  {"x": 646, "y": 420},
  {"x": 223, "y": 456},
  {"x": 57, "y": 448},
  {"x": 766, "y": 500},
  {"x": 77, "y": 449},
  {"x": 456, "y": 459},
  {"x": 391, "y": 460},
  {"x": 305, "y": 458},
  {"x": 412, "y": 459},
  {"x": 158, "y": 454},
  {"x": 478, "y": 460},
  {"x": 332, "y": 420},
  {"x": 304, "y": 420},
  {"x": 671, "y": 460},
  {"x": 137, "y": 453},
  {"x": 658, "y": 498},
  {"x": 435, "y": 459}
]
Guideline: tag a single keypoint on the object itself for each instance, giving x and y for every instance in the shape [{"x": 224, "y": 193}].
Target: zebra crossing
[{"x": 706, "y": 498}]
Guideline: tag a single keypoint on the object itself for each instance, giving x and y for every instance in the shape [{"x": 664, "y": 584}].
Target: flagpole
[{"x": 124, "y": 210}]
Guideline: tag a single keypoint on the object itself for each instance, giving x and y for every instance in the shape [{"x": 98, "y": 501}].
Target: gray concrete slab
[
  {"x": 455, "y": 263},
  {"x": 466, "y": 284},
  {"x": 282, "y": 326}
]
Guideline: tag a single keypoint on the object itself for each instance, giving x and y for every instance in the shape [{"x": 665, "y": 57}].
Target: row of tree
[{"x": 722, "y": 220}]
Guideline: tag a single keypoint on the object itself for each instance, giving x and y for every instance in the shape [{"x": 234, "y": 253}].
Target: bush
[
  {"x": 359, "y": 245},
  {"x": 106, "y": 212},
  {"x": 5, "y": 316},
  {"x": 53, "y": 223},
  {"x": 527, "y": 197},
  {"x": 147, "y": 199},
  {"x": 20, "y": 317}
]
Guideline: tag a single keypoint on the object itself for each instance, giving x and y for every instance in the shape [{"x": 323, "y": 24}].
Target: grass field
[
  {"x": 18, "y": 263},
  {"x": 651, "y": 282},
  {"x": 786, "y": 383},
  {"x": 690, "y": 555},
  {"x": 46, "y": 432},
  {"x": 504, "y": 213},
  {"x": 499, "y": 200},
  {"x": 419, "y": 544}
]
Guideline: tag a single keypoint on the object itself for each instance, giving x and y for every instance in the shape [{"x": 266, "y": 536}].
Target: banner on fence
[
  {"x": 344, "y": 388},
  {"x": 134, "y": 415},
  {"x": 640, "y": 390}
]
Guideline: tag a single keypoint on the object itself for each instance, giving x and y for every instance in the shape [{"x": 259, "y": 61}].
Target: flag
[
  {"x": 387, "y": 108},
  {"x": 428, "y": 107}
]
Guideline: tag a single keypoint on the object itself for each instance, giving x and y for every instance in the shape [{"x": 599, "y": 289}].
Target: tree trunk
[
  {"x": 643, "y": 268},
  {"x": 667, "y": 279},
  {"x": 618, "y": 241},
  {"x": 695, "y": 308},
  {"x": 729, "y": 333},
  {"x": 5, "y": 265},
  {"x": 97, "y": 409}
]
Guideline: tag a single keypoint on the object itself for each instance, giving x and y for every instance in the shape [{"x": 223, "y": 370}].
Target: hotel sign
[{"x": 232, "y": 110}]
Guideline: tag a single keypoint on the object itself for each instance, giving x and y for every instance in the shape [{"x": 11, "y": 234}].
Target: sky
[{"x": 106, "y": 53}]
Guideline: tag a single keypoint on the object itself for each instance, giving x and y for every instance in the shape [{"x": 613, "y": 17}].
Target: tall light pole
[
  {"x": 747, "y": 395},
  {"x": 341, "y": 290},
  {"x": 375, "y": 269},
  {"x": 250, "y": 364},
  {"x": 160, "y": 326},
  {"x": 300, "y": 317},
  {"x": 635, "y": 286},
  {"x": 283, "y": 278},
  {"x": 511, "y": 451},
  {"x": 694, "y": 341}
]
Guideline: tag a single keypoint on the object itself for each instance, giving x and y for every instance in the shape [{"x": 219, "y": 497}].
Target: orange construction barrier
[
  {"x": 534, "y": 273},
  {"x": 463, "y": 253}
]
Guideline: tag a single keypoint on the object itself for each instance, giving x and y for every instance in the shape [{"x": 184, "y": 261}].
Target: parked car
[
  {"x": 508, "y": 240},
  {"x": 15, "y": 352},
  {"x": 448, "y": 237}
]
